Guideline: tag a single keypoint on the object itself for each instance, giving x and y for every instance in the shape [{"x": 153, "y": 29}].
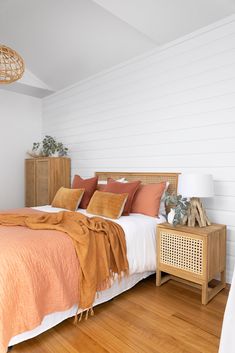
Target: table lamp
[{"x": 196, "y": 186}]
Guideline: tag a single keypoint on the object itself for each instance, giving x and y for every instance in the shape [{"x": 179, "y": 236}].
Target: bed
[
  {"x": 141, "y": 254},
  {"x": 227, "y": 340}
]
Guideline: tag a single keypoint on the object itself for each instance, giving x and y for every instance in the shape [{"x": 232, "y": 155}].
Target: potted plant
[
  {"x": 49, "y": 147},
  {"x": 179, "y": 208}
]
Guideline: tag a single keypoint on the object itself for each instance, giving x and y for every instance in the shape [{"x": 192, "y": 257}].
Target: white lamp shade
[{"x": 196, "y": 185}]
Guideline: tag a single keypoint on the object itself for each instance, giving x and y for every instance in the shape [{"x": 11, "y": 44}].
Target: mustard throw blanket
[{"x": 100, "y": 246}]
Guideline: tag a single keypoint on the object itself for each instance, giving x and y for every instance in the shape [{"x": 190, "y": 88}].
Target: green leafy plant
[
  {"x": 36, "y": 146},
  {"x": 63, "y": 151},
  {"x": 48, "y": 147},
  {"x": 179, "y": 204}
]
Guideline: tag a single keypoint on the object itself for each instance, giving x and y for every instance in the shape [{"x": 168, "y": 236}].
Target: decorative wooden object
[
  {"x": 43, "y": 177},
  {"x": 196, "y": 214},
  {"x": 11, "y": 65},
  {"x": 192, "y": 254},
  {"x": 145, "y": 178}
]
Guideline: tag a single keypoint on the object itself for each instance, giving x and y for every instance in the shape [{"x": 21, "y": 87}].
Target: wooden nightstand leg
[
  {"x": 204, "y": 293},
  {"x": 158, "y": 278},
  {"x": 208, "y": 293},
  {"x": 223, "y": 278}
]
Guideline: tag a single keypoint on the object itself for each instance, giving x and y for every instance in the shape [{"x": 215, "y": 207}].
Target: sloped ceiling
[
  {"x": 166, "y": 20},
  {"x": 64, "y": 41}
]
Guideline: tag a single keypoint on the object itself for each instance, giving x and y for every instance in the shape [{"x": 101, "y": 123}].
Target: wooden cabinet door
[
  {"x": 43, "y": 177},
  {"x": 59, "y": 175},
  {"x": 42, "y": 182},
  {"x": 30, "y": 191}
]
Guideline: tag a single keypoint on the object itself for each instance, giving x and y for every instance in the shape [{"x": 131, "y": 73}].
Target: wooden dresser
[{"x": 43, "y": 177}]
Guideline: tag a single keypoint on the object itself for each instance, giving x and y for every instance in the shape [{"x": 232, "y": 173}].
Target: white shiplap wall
[{"x": 170, "y": 110}]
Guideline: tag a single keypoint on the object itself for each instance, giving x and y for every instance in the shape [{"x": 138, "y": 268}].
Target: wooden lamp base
[{"x": 196, "y": 215}]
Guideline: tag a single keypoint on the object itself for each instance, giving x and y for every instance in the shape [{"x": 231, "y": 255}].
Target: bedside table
[{"x": 192, "y": 255}]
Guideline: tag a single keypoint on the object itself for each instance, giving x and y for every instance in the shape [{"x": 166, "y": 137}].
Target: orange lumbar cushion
[
  {"x": 107, "y": 204},
  {"x": 147, "y": 199},
  {"x": 68, "y": 198}
]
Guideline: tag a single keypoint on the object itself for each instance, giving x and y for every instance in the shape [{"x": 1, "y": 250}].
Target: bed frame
[{"x": 145, "y": 178}]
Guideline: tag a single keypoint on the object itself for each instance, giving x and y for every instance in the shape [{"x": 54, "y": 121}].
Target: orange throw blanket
[{"x": 100, "y": 246}]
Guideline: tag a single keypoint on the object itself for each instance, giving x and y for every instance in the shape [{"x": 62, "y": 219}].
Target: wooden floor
[{"x": 145, "y": 319}]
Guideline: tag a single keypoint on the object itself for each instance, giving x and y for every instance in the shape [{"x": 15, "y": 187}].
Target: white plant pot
[
  {"x": 170, "y": 216},
  {"x": 56, "y": 154}
]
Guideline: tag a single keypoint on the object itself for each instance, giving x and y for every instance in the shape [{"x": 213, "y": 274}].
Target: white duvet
[{"x": 140, "y": 234}]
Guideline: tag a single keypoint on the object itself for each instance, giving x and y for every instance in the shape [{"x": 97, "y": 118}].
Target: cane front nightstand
[{"x": 193, "y": 255}]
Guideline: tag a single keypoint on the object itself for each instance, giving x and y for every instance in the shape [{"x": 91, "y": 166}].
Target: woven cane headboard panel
[{"x": 145, "y": 178}]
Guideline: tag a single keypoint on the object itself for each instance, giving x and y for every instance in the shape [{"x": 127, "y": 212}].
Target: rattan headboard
[{"x": 145, "y": 178}]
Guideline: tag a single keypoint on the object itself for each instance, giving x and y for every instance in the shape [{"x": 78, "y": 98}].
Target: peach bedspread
[{"x": 39, "y": 287}]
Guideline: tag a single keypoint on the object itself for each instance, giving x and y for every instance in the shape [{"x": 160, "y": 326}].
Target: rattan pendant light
[{"x": 11, "y": 65}]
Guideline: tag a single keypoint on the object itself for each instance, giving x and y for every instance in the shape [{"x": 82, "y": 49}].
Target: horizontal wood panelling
[
  {"x": 170, "y": 110},
  {"x": 164, "y": 134},
  {"x": 179, "y": 148},
  {"x": 223, "y": 203},
  {"x": 223, "y": 188},
  {"x": 175, "y": 122}
]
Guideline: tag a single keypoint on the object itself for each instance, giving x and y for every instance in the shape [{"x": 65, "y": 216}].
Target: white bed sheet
[
  {"x": 227, "y": 340},
  {"x": 140, "y": 234}
]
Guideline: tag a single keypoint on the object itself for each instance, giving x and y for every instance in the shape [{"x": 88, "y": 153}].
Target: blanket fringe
[{"x": 78, "y": 317}]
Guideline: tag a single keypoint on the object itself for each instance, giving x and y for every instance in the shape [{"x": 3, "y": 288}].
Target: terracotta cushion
[
  {"x": 68, "y": 198},
  {"x": 122, "y": 188},
  {"x": 101, "y": 184},
  {"x": 107, "y": 204},
  {"x": 89, "y": 185},
  {"x": 101, "y": 187},
  {"x": 147, "y": 199}
]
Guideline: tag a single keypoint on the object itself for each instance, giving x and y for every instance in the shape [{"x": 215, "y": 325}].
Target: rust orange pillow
[
  {"x": 122, "y": 188},
  {"x": 147, "y": 199},
  {"x": 101, "y": 184},
  {"x": 89, "y": 185},
  {"x": 68, "y": 198},
  {"x": 107, "y": 204},
  {"x": 101, "y": 187}
]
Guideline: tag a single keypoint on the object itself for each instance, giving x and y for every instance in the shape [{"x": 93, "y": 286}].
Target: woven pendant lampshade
[{"x": 11, "y": 65}]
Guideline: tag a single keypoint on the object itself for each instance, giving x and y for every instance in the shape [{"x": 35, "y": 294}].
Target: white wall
[
  {"x": 20, "y": 126},
  {"x": 170, "y": 110}
]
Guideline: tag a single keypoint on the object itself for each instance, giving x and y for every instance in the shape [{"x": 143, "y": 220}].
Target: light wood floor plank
[{"x": 145, "y": 319}]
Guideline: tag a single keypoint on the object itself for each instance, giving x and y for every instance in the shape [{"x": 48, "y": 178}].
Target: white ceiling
[
  {"x": 64, "y": 41},
  {"x": 166, "y": 20}
]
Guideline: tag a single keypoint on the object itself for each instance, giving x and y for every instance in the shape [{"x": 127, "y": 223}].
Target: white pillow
[
  {"x": 162, "y": 209},
  {"x": 102, "y": 182},
  {"x": 121, "y": 180}
]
